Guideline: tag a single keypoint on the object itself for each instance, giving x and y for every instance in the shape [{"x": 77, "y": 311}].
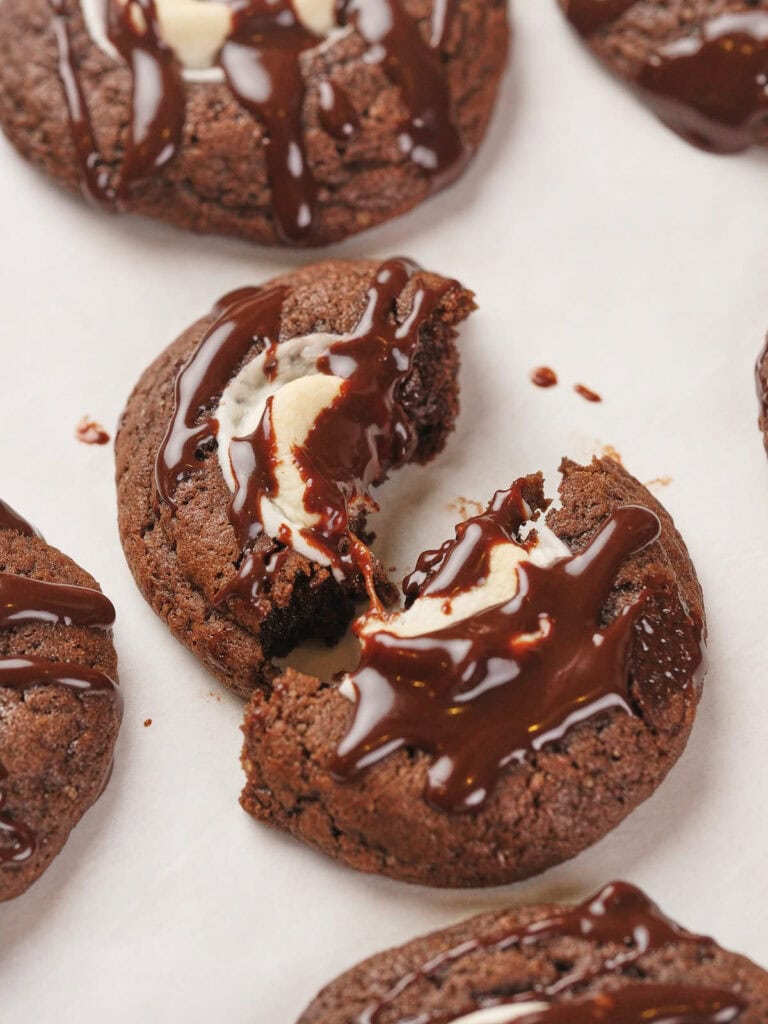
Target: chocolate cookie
[
  {"x": 297, "y": 122},
  {"x": 60, "y": 709},
  {"x": 700, "y": 64},
  {"x": 534, "y": 690},
  {"x": 614, "y": 959},
  {"x": 761, "y": 379},
  {"x": 248, "y": 450}
]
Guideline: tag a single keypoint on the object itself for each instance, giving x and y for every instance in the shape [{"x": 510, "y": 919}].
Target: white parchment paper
[{"x": 597, "y": 243}]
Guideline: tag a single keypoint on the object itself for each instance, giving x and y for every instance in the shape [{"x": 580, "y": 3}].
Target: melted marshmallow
[
  {"x": 299, "y": 394},
  {"x": 431, "y": 613},
  {"x": 501, "y": 1014}
]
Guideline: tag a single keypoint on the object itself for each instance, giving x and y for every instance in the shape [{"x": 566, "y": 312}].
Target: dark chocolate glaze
[
  {"x": 11, "y": 520},
  {"x": 620, "y": 917},
  {"x": 430, "y": 136},
  {"x": 337, "y": 112},
  {"x": 354, "y": 442},
  {"x": 158, "y": 99},
  {"x": 464, "y": 562},
  {"x": 544, "y": 377},
  {"x": 645, "y": 1004},
  {"x": 709, "y": 85},
  {"x": 245, "y": 318},
  {"x": 482, "y": 693},
  {"x": 587, "y": 393},
  {"x": 24, "y": 600},
  {"x": 95, "y": 178},
  {"x": 261, "y": 60},
  {"x": 588, "y": 16},
  {"x": 761, "y": 381}
]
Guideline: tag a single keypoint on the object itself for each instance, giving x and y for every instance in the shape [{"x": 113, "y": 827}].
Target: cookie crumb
[
  {"x": 607, "y": 451},
  {"x": 88, "y": 431},
  {"x": 147, "y": 722},
  {"x": 587, "y": 393},
  {"x": 659, "y": 481},
  {"x": 465, "y": 508}
]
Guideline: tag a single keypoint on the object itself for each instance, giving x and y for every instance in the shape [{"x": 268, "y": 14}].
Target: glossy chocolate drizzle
[
  {"x": 645, "y": 1004},
  {"x": 24, "y": 601},
  {"x": 487, "y": 690},
  {"x": 352, "y": 445},
  {"x": 158, "y": 97},
  {"x": 465, "y": 562},
  {"x": 247, "y": 319},
  {"x": 261, "y": 61},
  {"x": 619, "y": 917},
  {"x": 709, "y": 85}
]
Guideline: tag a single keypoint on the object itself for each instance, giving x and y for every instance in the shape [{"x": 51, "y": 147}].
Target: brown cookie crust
[
  {"x": 560, "y": 801},
  {"x": 217, "y": 183},
  {"x": 181, "y": 558},
  {"x": 55, "y": 744},
  {"x": 470, "y": 981}
]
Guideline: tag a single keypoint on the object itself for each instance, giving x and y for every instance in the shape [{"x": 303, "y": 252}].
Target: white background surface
[{"x": 598, "y": 243}]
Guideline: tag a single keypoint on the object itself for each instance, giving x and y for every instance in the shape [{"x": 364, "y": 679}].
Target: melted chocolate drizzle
[
  {"x": 158, "y": 98},
  {"x": 261, "y": 61},
  {"x": 709, "y": 85},
  {"x": 356, "y": 440},
  {"x": 619, "y": 916},
  {"x": 94, "y": 175},
  {"x": 486, "y": 691},
  {"x": 244, "y": 319},
  {"x": 465, "y": 561},
  {"x": 646, "y": 1004},
  {"x": 24, "y": 601},
  {"x": 352, "y": 445},
  {"x": 11, "y": 520}
]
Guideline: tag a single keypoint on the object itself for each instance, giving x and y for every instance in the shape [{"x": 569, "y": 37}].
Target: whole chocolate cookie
[
  {"x": 248, "y": 450},
  {"x": 700, "y": 64},
  {"x": 534, "y": 690},
  {"x": 60, "y": 708},
  {"x": 298, "y": 121},
  {"x": 614, "y": 959}
]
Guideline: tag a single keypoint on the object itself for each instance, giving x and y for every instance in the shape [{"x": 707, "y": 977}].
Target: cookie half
[
  {"x": 535, "y": 689},
  {"x": 701, "y": 65},
  {"x": 248, "y": 451},
  {"x": 60, "y": 708},
  {"x": 297, "y": 122},
  {"x": 614, "y": 958}
]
